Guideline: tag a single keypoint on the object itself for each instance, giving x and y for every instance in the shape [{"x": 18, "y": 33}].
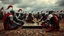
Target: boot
[
  {"x": 50, "y": 28},
  {"x": 57, "y": 29},
  {"x": 3, "y": 30}
]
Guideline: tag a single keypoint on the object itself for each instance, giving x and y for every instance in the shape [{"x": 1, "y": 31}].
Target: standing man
[{"x": 1, "y": 13}]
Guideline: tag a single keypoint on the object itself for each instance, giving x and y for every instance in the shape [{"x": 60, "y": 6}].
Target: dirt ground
[{"x": 31, "y": 32}]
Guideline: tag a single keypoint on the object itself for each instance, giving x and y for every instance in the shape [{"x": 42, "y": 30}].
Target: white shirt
[{"x": 49, "y": 17}]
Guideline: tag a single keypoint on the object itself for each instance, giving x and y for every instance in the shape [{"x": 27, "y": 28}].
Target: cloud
[
  {"x": 34, "y": 5},
  {"x": 10, "y": 1},
  {"x": 1, "y": 4},
  {"x": 60, "y": 3}
]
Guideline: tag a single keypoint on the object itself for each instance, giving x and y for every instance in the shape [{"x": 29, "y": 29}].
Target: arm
[
  {"x": 40, "y": 19},
  {"x": 12, "y": 21},
  {"x": 26, "y": 17},
  {"x": 49, "y": 17},
  {"x": 18, "y": 19},
  {"x": 32, "y": 17}
]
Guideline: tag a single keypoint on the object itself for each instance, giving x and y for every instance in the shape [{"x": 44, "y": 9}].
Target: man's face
[
  {"x": 12, "y": 12},
  {"x": 9, "y": 9}
]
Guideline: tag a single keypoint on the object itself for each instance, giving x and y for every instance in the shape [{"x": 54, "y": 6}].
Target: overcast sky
[{"x": 34, "y": 5}]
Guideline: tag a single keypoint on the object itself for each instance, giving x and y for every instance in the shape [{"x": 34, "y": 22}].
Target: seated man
[
  {"x": 38, "y": 16},
  {"x": 21, "y": 17},
  {"x": 53, "y": 22},
  {"x": 10, "y": 21},
  {"x": 29, "y": 18},
  {"x": 43, "y": 18}
]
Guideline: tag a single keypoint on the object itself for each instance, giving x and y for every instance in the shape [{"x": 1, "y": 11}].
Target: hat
[
  {"x": 19, "y": 10},
  {"x": 10, "y": 6}
]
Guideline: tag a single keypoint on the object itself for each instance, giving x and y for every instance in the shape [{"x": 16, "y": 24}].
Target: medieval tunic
[
  {"x": 10, "y": 22},
  {"x": 53, "y": 22}
]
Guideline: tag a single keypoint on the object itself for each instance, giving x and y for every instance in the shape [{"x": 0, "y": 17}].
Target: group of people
[
  {"x": 12, "y": 20},
  {"x": 50, "y": 21}
]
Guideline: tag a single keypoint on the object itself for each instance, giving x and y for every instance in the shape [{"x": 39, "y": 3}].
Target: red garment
[
  {"x": 51, "y": 28},
  {"x": 43, "y": 25},
  {"x": 56, "y": 19},
  {"x": 55, "y": 25},
  {"x": 6, "y": 26}
]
